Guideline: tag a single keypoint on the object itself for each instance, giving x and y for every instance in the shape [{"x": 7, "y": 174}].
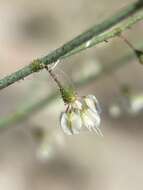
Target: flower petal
[
  {"x": 64, "y": 124},
  {"x": 92, "y": 102},
  {"x": 76, "y": 122},
  {"x": 77, "y": 105},
  {"x": 87, "y": 122},
  {"x": 94, "y": 116},
  {"x": 71, "y": 122},
  {"x": 91, "y": 120}
]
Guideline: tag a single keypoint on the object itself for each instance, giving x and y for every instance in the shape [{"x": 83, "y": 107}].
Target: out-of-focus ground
[{"x": 30, "y": 29}]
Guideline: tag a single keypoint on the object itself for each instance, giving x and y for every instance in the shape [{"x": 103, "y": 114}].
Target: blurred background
[{"x": 35, "y": 154}]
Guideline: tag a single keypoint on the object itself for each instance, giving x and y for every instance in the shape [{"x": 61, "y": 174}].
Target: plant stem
[
  {"x": 127, "y": 42},
  {"x": 29, "y": 109},
  {"x": 75, "y": 43},
  {"x": 108, "y": 35},
  {"x": 54, "y": 77},
  {"x": 24, "y": 112},
  {"x": 60, "y": 86}
]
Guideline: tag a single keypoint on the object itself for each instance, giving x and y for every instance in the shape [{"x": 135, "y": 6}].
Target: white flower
[
  {"x": 71, "y": 122},
  {"x": 91, "y": 120},
  {"x": 136, "y": 104},
  {"x": 83, "y": 112},
  {"x": 92, "y": 102}
]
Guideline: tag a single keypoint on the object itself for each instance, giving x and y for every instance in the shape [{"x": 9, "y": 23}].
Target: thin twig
[
  {"x": 108, "y": 35},
  {"x": 127, "y": 42},
  {"x": 29, "y": 109},
  {"x": 80, "y": 40}
]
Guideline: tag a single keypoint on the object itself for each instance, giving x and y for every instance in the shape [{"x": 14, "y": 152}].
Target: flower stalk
[
  {"x": 138, "y": 53},
  {"x": 68, "y": 94}
]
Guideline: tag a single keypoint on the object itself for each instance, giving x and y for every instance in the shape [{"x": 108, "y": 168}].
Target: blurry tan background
[{"x": 30, "y": 29}]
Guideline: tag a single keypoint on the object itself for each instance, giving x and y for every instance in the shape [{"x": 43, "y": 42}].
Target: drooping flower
[
  {"x": 82, "y": 112},
  {"x": 91, "y": 120},
  {"x": 90, "y": 113}
]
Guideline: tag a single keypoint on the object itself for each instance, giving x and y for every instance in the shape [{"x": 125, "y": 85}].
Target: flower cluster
[{"x": 81, "y": 112}]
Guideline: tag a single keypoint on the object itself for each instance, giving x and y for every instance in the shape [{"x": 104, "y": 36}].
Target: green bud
[
  {"x": 36, "y": 65},
  {"x": 68, "y": 95},
  {"x": 118, "y": 31},
  {"x": 139, "y": 55}
]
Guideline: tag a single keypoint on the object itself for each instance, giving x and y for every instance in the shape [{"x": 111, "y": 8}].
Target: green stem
[
  {"x": 26, "y": 111},
  {"x": 108, "y": 35},
  {"x": 73, "y": 44}
]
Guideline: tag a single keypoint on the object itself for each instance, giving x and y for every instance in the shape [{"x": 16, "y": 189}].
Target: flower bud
[{"x": 139, "y": 55}]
